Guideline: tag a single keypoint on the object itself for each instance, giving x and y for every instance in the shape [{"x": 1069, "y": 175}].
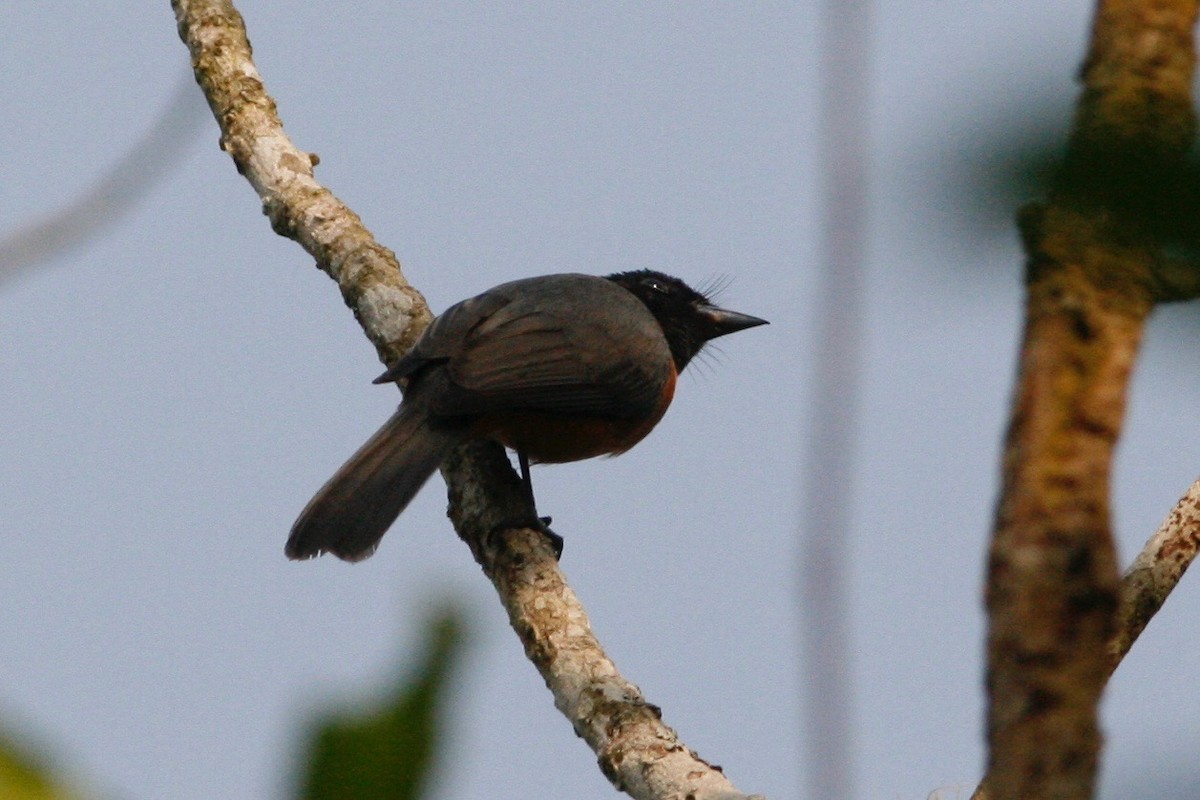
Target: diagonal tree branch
[
  {"x": 636, "y": 751},
  {"x": 391, "y": 312},
  {"x": 1093, "y": 276}
]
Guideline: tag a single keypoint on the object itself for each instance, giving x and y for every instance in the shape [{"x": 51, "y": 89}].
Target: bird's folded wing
[{"x": 528, "y": 360}]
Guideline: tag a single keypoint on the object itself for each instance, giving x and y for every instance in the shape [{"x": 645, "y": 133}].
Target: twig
[
  {"x": 1156, "y": 571},
  {"x": 636, "y": 751}
]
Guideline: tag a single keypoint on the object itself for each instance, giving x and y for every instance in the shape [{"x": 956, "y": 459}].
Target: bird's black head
[{"x": 687, "y": 317}]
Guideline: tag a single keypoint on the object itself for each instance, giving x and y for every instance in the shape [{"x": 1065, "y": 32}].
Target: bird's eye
[{"x": 655, "y": 284}]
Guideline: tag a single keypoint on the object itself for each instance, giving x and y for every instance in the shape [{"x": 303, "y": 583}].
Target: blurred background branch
[
  {"x": 103, "y": 205},
  {"x": 1091, "y": 283},
  {"x": 831, "y": 434}
]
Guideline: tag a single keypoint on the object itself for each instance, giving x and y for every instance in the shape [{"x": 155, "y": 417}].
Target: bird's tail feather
[{"x": 352, "y": 511}]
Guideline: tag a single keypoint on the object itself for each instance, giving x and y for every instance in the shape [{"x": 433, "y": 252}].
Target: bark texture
[{"x": 1095, "y": 269}]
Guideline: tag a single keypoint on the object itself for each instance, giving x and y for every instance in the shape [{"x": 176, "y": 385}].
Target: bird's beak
[{"x": 722, "y": 322}]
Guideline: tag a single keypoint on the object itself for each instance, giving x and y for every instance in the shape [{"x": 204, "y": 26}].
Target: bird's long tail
[{"x": 352, "y": 511}]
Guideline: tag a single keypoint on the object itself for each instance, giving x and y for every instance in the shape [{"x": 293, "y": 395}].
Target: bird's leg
[
  {"x": 526, "y": 479},
  {"x": 527, "y": 482},
  {"x": 556, "y": 541}
]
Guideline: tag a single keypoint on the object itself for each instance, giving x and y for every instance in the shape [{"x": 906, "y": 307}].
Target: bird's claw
[{"x": 556, "y": 541}]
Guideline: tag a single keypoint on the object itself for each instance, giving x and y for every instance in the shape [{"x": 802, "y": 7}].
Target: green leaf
[
  {"x": 385, "y": 752},
  {"x": 23, "y": 777}
]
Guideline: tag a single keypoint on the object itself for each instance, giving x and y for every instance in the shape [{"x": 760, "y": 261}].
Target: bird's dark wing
[{"x": 550, "y": 348}]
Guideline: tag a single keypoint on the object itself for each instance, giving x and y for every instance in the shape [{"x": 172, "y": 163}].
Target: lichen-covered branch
[
  {"x": 391, "y": 312},
  {"x": 636, "y": 751},
  {"x": 639, "y": 753},
  {"x": 1093, "y": 276}
]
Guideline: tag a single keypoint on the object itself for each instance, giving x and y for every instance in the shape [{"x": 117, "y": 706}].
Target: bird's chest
[{"x": 552, "y": 438}]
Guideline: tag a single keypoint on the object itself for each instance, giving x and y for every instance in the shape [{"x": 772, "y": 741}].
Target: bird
[{"x": 559, "y": 368}]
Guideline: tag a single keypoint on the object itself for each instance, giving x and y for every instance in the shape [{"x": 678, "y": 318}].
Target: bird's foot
[{"x": 556, "y": 541}]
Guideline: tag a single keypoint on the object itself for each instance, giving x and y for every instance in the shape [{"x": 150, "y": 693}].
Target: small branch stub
[{"x": 1156, "y": 571}]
